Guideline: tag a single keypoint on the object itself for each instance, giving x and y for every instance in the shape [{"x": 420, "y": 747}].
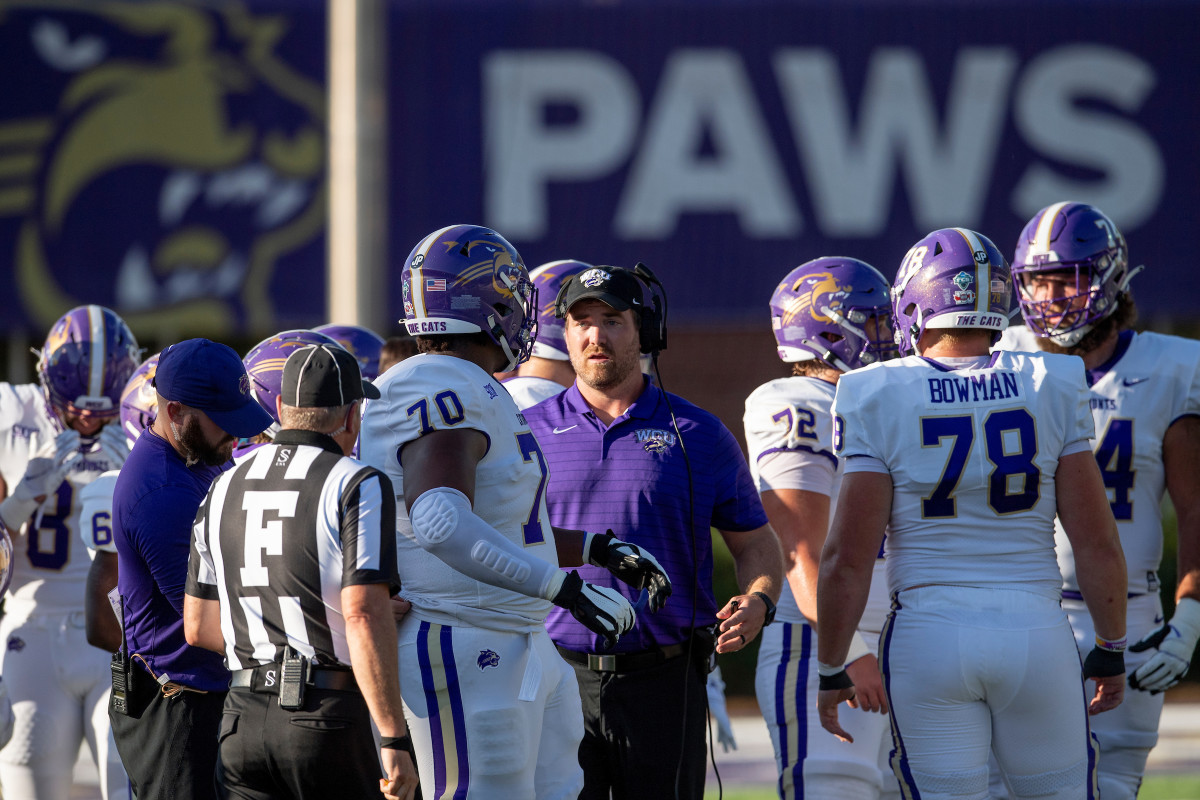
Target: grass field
[{"x": 1162, "y": 787}]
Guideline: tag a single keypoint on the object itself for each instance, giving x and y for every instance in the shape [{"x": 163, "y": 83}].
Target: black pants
[
  {"x": 170, "y": 751},
  {"x": 633, "y": 731},
  {"x": 322, "y": 750}
]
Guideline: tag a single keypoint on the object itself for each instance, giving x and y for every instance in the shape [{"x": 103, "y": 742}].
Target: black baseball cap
[
  {"x": 323, "y": 376},
  {"x": 210, "y": 377},
  {"x": 615, "y": 286}
]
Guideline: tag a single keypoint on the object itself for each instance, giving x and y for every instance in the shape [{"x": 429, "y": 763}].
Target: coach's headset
[{"x": 652, "y": 315}]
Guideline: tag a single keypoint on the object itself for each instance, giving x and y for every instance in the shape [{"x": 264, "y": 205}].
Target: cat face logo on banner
[{"x": 166, "y": 161}]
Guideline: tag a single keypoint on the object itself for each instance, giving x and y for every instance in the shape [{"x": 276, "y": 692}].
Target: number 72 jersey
[
  {"x": 972, "y": 455},
  {"x": 433, "y": 392}
]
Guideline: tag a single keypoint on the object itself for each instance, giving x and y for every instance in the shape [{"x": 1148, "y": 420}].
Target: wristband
[
  {"x": 1111, "y": 645},
  {"x": 395, "y": 742},
  {"x": 826, "y": 670},
  {"x": 1103, "y": 664},
  {"x": 835, "y": 683}
]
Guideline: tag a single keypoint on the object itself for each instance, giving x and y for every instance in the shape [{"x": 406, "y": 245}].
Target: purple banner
[{"x": 724, "y": 143}]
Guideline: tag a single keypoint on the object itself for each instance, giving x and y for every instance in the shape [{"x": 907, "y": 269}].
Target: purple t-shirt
[
  {"x": 154, "y": 504},
  {"x": 632, "y": 477}
]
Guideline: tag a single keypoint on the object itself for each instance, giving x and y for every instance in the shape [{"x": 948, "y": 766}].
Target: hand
[
  {"x": 1107, "y": 669},
  {"x": 114, "y": 444},
  {"x": 827, "y": 709},
  {"x": 631, "y": 564},
  {"x": 400, "y": 607},
  {"x": 1174, "y": 643},
  {"x": 601, "y": 610},
  {"x": 401, "y": 781},
  {"x": 46, "y": 471},
  {"x": 868, "y": 685},
  {"x": 743, "y": 618}
]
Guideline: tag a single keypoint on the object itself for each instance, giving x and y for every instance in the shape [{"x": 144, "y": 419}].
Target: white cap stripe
[{"x": 96, "y": 372}]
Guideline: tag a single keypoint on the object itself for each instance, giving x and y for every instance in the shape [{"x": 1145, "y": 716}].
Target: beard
[
  {"x": 605, "y": 375},
  {"x": 191, "y": 438}
]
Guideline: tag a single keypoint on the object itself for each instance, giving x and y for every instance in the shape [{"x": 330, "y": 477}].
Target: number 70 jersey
[
  {"x": 972, "y": 454},
  {"x": 431, "y": 392}
]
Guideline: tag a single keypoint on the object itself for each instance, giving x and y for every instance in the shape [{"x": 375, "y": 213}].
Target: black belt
[
  {"x": 623, "y": 662},
  {"x": 265, "y": 679}
]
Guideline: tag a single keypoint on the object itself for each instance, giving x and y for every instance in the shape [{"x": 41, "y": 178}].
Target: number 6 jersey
[
  {"x": 972, "y": 454},
  {"x": 434, "y": 392}
]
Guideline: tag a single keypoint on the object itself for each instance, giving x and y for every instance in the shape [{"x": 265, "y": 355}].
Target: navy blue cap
[{"x": 210, "y": 377}]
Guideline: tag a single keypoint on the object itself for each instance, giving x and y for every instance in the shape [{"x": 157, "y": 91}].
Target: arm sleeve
[{"x": 368, "y": 531}]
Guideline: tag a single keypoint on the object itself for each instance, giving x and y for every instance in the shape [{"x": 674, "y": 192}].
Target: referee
[{"x": 292, "y": 565}]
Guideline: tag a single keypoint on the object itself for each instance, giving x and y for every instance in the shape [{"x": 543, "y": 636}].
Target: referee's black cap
[{"x": 323, "y": 376}]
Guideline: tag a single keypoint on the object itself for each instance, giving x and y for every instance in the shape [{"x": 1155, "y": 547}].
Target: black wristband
[
  {"x": 834, "y": 683},
  {"x": 396, "y": 742},
  {"x": 770, "y": 617},
  {"x": 1102, "y": 663}
]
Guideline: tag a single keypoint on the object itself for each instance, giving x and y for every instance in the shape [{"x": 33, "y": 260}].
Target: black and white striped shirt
[{"x": 280, "y": 535}]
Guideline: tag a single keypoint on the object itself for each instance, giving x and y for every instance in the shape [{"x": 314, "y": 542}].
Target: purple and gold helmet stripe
[
  {"x": 983, "y": 271},
  {"x": 1040, "y": 246},
  {"x": 417, "y": 282},
  {"x": 98, "y": 351}
]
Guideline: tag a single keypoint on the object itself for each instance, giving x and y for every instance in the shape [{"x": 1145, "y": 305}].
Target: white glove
[
  {"x": 44, "y": 473},
  {"x": 602, "y": 610},
  {"x": 629, "y": 563},
  {"x": 716, "y": 707},
  {"x": 114, "y": 444},
  {"x": 1174, "y": 644}
]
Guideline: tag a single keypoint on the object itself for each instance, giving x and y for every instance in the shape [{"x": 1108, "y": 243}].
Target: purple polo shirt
[
  {"x": 632, "y": 477},
  {"x": 154, "y": 504}
]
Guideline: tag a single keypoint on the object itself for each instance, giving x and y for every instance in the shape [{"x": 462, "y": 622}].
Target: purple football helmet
[
  {"x": 88, "y": 357},
  {"x": 823, "y": 310},
  {"x": 139, "y": 401},
  {"x": 466, "y": 278},
  {"x": 551, "y": 332},
  {"x": 264, "y": 364},
  {"x": 365, "y": 345},
  {"x": 953, "y": 278},
  {"x": 1080, "y": 239}
]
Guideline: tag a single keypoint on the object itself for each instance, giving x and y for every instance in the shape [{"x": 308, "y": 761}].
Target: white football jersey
[
  {"x": 972, "y": 455},
  {"x": 1153, "y": 380},
  {"x": 49, "y": 564},
  {"x": 785, "y": 417},
  {"x": 95, "y": 513},
  {"x": 437, "y": 392},
  {"x": 528, "y": 391}
]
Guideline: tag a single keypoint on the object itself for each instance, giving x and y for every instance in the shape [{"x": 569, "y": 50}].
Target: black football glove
[
  {"x": 601, "y": 610},
  {"x": 631, "y": 564}
]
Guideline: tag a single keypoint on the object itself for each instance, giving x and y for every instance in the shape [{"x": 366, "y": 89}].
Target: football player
[
  {"x": 364, "y": 344},
  {"x": 264, "y": 364},
  {"x": 139, "y": 407},
  {"x": 965, "y": 456},
  {"x": 829, "y": 316},
  {"x": 1072, "y": 272},
  {"x": 548, "y": 370},
  {"x": 496, "y": 710},
  {"x": 57, "y": 438}
]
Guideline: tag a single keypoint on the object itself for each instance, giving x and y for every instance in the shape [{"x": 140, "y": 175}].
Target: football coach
[{"x": 292, "y": 567}]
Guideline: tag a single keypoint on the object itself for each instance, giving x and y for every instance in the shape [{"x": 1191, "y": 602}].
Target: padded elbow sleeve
[{"x": 445, "y": 525}]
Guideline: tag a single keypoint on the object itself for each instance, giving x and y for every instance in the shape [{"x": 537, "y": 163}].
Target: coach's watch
[{"x": 770, "y": 607}]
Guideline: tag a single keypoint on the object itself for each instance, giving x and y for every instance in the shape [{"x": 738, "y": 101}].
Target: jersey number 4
[
  {"x": 1115, "y": 457},
  {"x": 1010, "y": 444}
]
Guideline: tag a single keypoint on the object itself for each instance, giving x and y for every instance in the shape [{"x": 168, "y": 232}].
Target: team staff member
[
  {"x": 293, "y": 557},
  {"x": 968, "y": 457},
  {"x": 616, "y": 461},
  {"x": 168, "y": 740}
]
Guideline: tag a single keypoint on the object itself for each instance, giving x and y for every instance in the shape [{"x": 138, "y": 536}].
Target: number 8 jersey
[
  {"x": 434, "y": 392},
  {"x": 972, "y": 454}
]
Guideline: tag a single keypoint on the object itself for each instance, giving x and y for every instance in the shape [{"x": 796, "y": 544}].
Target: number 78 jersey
[
  {"x": 431, "y": 392},
  {"x": 972, "y": 454}
]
